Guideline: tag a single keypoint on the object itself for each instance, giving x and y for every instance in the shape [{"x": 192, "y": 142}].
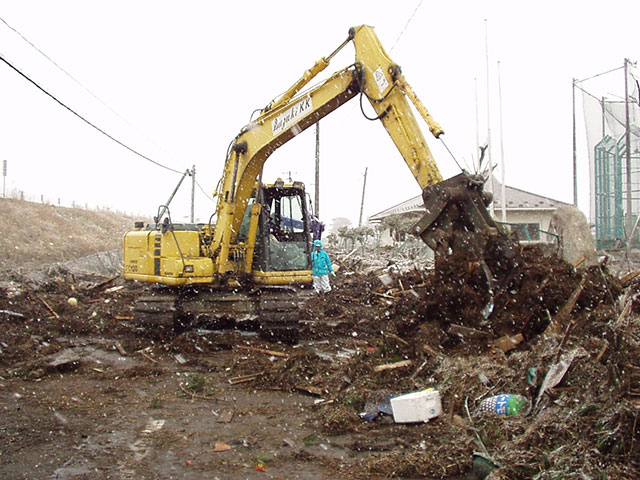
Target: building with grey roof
[{"x": 528, "y": 214}]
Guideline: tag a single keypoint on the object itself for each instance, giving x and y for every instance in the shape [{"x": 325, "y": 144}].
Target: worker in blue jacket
[{"x": 321, "y": 268}]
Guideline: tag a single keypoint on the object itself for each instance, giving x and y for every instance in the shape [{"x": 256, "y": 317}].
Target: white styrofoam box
[{"x": 416, "y": 407}]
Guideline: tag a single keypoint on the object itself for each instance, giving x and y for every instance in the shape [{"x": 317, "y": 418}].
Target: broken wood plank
[
  {"x": 262, "y": 350},
  {"x": 317, "y": 391},
  {"x": 225, "y": 416},
  {"x": 579, "y": 261},
  {"x": 508, "y": 342},
  {"x": 221, "y": 447},
  {"x": 391, "y": 366},
  {"x": 123, "y": 317}
]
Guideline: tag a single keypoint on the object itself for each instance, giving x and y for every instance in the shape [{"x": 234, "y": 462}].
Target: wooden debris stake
[
  {"x": 601, "y": 353},
  {"x": 467, "y": 332},
  {"x": 262, "y": 350},
  {"x": 557, "y": 322},
  {"x": 120, "y": 349},
  {"x": 625, "y": 312},
  {"x": 123, "y": 317},
  {"x": 418, "y": 370},
  {"x": 628, "y": 278},
  {"x": 391, "y": 366},
  {"x": 397, "y": 338},
  {"x": 106, "y": 282},
  {"x": 147, "y": 356},
  {"x": 431, "y": 351},
  {"x": 383, "y": 295},
  {"x": 563, "y": 342},
  {"x": 47, "y": 305},
  {"x": 244, "y": 378}
]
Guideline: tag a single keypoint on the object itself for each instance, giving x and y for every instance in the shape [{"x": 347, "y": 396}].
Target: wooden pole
[
  {"x": 317, "y": 196},
  {"x": 364, "y": 186}
]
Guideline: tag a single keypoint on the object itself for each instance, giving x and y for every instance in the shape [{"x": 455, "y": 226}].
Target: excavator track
[
  {"x": 156, "y": 315},
  {"x": 273, "y": 312}
]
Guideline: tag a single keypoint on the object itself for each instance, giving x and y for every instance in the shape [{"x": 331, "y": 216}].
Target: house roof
[{"x": 516, "y": 200}]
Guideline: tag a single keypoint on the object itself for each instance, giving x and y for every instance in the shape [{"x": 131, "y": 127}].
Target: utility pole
[
  {"x": 317, "y": 196},
  {"x": 628, "y": 145},
  {"x": 364, "y": 186},
  {"x": 4, "y": 178},
  {"x": 575, "y": 151},
  {"x": 193, "y": 191}
]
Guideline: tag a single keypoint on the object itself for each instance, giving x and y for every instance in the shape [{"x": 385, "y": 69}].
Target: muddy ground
[{"x": 86, "y": 395}]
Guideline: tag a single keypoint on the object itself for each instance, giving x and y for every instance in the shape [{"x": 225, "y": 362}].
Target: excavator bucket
[{"x": 456, "y": 219}]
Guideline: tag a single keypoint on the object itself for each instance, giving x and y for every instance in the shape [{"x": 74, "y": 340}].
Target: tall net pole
[
  {"x": 628, "y": 150},
  {"x": 193, "y": 192}
]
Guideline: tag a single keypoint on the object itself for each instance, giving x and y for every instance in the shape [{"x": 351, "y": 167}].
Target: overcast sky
[{"x": 184, "y": 78}]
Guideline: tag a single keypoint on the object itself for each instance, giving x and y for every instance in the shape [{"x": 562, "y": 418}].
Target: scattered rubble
[{"x": 564, "y": 339}]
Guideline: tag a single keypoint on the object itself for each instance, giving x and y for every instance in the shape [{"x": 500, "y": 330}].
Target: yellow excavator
[{"x": 244, "y": 268}]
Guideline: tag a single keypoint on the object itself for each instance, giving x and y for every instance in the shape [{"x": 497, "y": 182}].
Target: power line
[
  {"x": 406, "y": 25},
  {"x": 84, "y": 119},
  {"x": 76, "y": 81},
  {"x": 204, "y": 192}
]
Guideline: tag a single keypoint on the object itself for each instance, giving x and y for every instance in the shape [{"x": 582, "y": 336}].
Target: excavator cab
[{"x": 283, "y": 240}]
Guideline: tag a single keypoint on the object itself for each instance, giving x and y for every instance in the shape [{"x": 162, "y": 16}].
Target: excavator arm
[{"x": 373, "y": 75}]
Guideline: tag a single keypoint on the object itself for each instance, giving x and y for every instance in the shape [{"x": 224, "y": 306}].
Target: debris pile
[
  {"x": 430, "y": 330},
  {"x": 564, "y": 340}
]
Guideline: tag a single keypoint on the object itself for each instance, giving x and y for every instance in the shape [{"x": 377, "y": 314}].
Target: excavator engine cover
[{"x": 456, "y": 219}]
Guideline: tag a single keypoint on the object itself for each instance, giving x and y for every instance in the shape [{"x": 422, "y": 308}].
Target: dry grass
[{"x": 33, "y": 235}]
